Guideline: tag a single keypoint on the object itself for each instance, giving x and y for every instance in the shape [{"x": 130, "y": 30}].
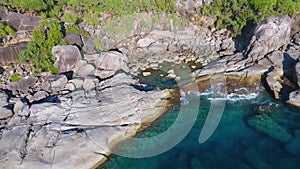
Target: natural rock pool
[{"x": 255, "y": 132}]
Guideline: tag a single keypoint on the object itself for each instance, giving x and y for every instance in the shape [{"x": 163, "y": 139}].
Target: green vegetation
[
  {"x": 15, "y": 78},
  {"x": 76, "y": 29},
  {"x": 6, "y": 30},
  {"x": 46, "y": 36},
  {"x": 99, "y": 44},
  {"x": 235, "y": 14},
  {"x": 32, "y": 5},
  {"x": 231, "y": 14}
]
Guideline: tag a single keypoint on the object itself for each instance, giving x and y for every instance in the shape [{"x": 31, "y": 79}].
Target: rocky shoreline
[{"x": 73, "y": 119}]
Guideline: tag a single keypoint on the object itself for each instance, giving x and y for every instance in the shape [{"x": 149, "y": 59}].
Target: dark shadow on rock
[
  {"x": 144, "y": 88},
  {"x": 50, "y": 99},
  {"x": 242, "y": 41},
  {"x": 68, "y": 74},
  {"x": 289, "y": 64},
  {"x": 116, "y": 50},
  {"x": 264, "y": 80},
  {"x": 9, "y": 106},
  {"x": 285, "y": 92},
  {"x": 1, "y": 70}
]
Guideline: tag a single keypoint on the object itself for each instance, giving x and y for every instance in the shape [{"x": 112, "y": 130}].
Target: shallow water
[{"x": 234, "y": 144}]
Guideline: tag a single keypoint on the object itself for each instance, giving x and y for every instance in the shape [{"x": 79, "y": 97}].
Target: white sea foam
[{"x": 236, "y": 97}]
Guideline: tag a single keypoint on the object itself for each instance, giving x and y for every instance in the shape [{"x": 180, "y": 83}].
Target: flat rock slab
[{"x": 77, "y": 129}]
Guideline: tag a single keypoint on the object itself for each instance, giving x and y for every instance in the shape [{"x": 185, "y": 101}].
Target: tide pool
[{"x": 236, "y": 144}]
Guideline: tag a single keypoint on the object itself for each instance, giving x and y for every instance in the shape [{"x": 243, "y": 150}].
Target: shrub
[
  {"x": 15, "y": 78},
  {"x": 6, "y": 30},
  {"x": 235, "y": 14},
  {"x": 46, "y": 36}
]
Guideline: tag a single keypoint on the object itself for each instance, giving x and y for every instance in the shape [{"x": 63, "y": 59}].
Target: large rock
[
  {"x": 67, "y": 57},
  {"x": 19, "y": 21},
  {"x": 273, "y": 80},
  {"x": 294, "y": 98},
  {"x": 77, "y": 130},
  {"x": 55, "y": 83},
  {"x": 74, "y": 39},
  {"x": 269, "y": 35},
  {"x": 109, "y": 63},
  {"x": 11, "y": 53},
  {"x": 22, "y": 85}
]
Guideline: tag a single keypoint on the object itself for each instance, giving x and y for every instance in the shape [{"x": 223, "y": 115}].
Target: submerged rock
[
  {"x": 266, "y": 125},
  {"x": 294, "y": 146},
  {"x": 294, "y": 98}
]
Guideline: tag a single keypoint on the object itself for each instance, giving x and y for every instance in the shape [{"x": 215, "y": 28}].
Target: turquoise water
[{"x": 234, "y": 145}]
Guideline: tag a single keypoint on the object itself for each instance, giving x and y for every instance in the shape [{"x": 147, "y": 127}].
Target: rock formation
[{"x": 67, "y": 57}]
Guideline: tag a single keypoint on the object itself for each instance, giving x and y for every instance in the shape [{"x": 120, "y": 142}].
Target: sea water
[{"x": 234, "y": 144}]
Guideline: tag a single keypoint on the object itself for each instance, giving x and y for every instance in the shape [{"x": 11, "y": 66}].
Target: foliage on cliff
[
  {"x": 6, "y": 30},
  {"x": 46, "y": 36},
  {"x": 235, "y": 14}
]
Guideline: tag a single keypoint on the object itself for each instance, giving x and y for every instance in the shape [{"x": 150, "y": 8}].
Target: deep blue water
[{"x": 234, "y": 144}]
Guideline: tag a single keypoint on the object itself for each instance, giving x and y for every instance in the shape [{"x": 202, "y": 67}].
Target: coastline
[
  {"x": 174, "y": 97},
  {"x": 202, "y": 83}
]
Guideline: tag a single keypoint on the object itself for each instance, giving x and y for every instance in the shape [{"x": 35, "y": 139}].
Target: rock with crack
[
  {"x": 270, "y": 34},
  {"x": 78, "y": 130},
  {"x": 67, "y": 57}
]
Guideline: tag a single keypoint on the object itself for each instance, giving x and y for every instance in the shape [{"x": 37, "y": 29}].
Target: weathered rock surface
[
  {"x": 77, "y": 130},
  {"x": 19, "y": 21},
  {"x": 11, "y": 53},
  {"x": 108, "y": 63},
  {"x": 270, "y": 34},
  {"x": 67, "y": 57}
]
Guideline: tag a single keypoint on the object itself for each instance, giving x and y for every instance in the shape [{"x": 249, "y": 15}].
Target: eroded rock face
[
  {"x": 270, "y": 34},
  {"x": 67, "y": 57},
  {"x": 76, "y": 130}
]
